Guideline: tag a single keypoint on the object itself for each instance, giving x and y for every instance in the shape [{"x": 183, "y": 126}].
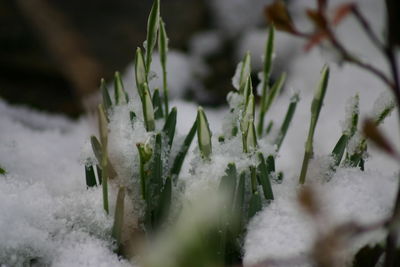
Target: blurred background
[{"x": 53, "y": 53}]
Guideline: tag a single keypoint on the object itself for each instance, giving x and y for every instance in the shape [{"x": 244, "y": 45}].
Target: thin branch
[
  {"x": 367, "y": 28},
  {"x": 351, "y": 230},
  {"x": 351, "y": 59}
]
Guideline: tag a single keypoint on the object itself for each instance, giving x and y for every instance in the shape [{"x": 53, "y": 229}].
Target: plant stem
[
  {"x": 104, "y": 173},
  {"x": 316, "y": 106},
  {"x": 253, "y": 177},
  {"x": 269, "y": 48},
  {"x": 165, "y": 88},
  {"x": 367, "y": 28}
]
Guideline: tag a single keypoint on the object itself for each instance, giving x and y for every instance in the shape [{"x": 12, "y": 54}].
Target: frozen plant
[
  {"x": 238, "y": 166},
  {"x": 153, "y": 184}
]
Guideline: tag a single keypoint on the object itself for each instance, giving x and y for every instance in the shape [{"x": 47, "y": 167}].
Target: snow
[
  {"x": 48, "y": 215},
  {"x": 384, "y": 102},
  {"x": 46, "y": 212},
  {"x": 205, "y": 43},
  {"x": 233, "y": 17},
  {"x": 351, "y": 108},
  {"x": 236, "y": 76},
  {"x": 349, "y": 190},
  {"x": 283, "y": 229}
]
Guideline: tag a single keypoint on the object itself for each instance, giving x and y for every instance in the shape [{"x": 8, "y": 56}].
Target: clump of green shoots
[
  {"x": 247, "y": 189},
  {"x": 155, "y": 183},
  {"x": 348, "y": 133},
  {"x": 355, "y": 157}
]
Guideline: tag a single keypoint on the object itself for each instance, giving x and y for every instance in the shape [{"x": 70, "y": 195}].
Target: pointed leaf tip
[
  {"x": 121, "y": 96},
  {"x": 203, "y": 134},
  {"x": 140, "y": 71}
]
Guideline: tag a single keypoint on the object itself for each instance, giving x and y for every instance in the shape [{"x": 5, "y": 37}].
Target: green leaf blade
[
  {"x": 165, "y": 201},
  {"x": 148, "y": 110},
  {"x": 269, "y": 50},
  {"x": 286, "y": 122},
  {"x": 158, "y": 112},
  {"x": 119, "y": 217},
  {"x": 121, "y": 96},
  {"x": 154, "y": 185},
  {"x": 316, "y": 106},
  {"x": 274, "y": 92},
  {"x": 338, "y": 150},
  {"x": 90, "y": 176},
  {"x": 107, "y": 103},
  {"x": 265, "y": 171},
  {"x": 140, "y": 72},
  {"x": 245, "y": 72},
  {"x": 255, "y": 205},
  {"x": 180, "y": 157},
  {"x": 163, "y": 50},
  {"x": 152, "y": 29},
  {"x": 250, "y": 139},
  {"x": 97, "y": 149},
  {"x": 103, "y": 128},
  {"x": 170, "y": 125}
]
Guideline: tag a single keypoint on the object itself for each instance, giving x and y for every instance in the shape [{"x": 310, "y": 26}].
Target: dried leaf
[
  {"x": 341, "y": 12},
  {"x": 322, "y": 4},
  {"x": 315, "y": 39},
  {"x": 308, "y": 201},
  {"x": 317, "y": 19},
  {"x": 372, "y": 132},
  {"x": 278, "y": 15}
]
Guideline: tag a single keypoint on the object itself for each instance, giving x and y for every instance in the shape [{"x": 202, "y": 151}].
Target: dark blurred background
[
  {"x": 32, "y": 67},
  {"x": 53, "y": 53}
]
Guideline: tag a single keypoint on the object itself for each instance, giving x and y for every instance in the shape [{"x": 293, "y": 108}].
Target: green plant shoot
[
  {"x": 103, "y": 129},
  {"x": 148, "y": 110},
  {"x": 269, "y": 50},
  {"x": 203, "y": 134},
  {"x": 245, "y": 72},
  {"x": 152, "y": 29},
  {"x": 121, "y": 97},
  {"x": 163, "y": 50},
  {"x": 107, "y": 103},
  {"x": 316, "y": 106},
  {"x": 119, "y": 217},
  {"x": 286, "y": 122},
  {"x": 140, "y": 72}
]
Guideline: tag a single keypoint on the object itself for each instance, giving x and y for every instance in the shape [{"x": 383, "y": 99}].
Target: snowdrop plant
[
  {"x": 350, "y": 140},
  {"x": 157, "y": 177},
  {"x": 246, "y": 184}
]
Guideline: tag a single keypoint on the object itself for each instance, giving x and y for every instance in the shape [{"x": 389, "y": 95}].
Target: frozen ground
[{"x": 47, "y": 215}]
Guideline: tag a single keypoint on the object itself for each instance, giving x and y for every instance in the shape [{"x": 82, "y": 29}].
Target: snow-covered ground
[{"x": 48, "y": 216}]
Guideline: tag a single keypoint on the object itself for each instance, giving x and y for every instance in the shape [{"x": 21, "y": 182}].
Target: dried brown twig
[
  {"x": 331, "y": 242},
  {"x": 280, "y": 17}
]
